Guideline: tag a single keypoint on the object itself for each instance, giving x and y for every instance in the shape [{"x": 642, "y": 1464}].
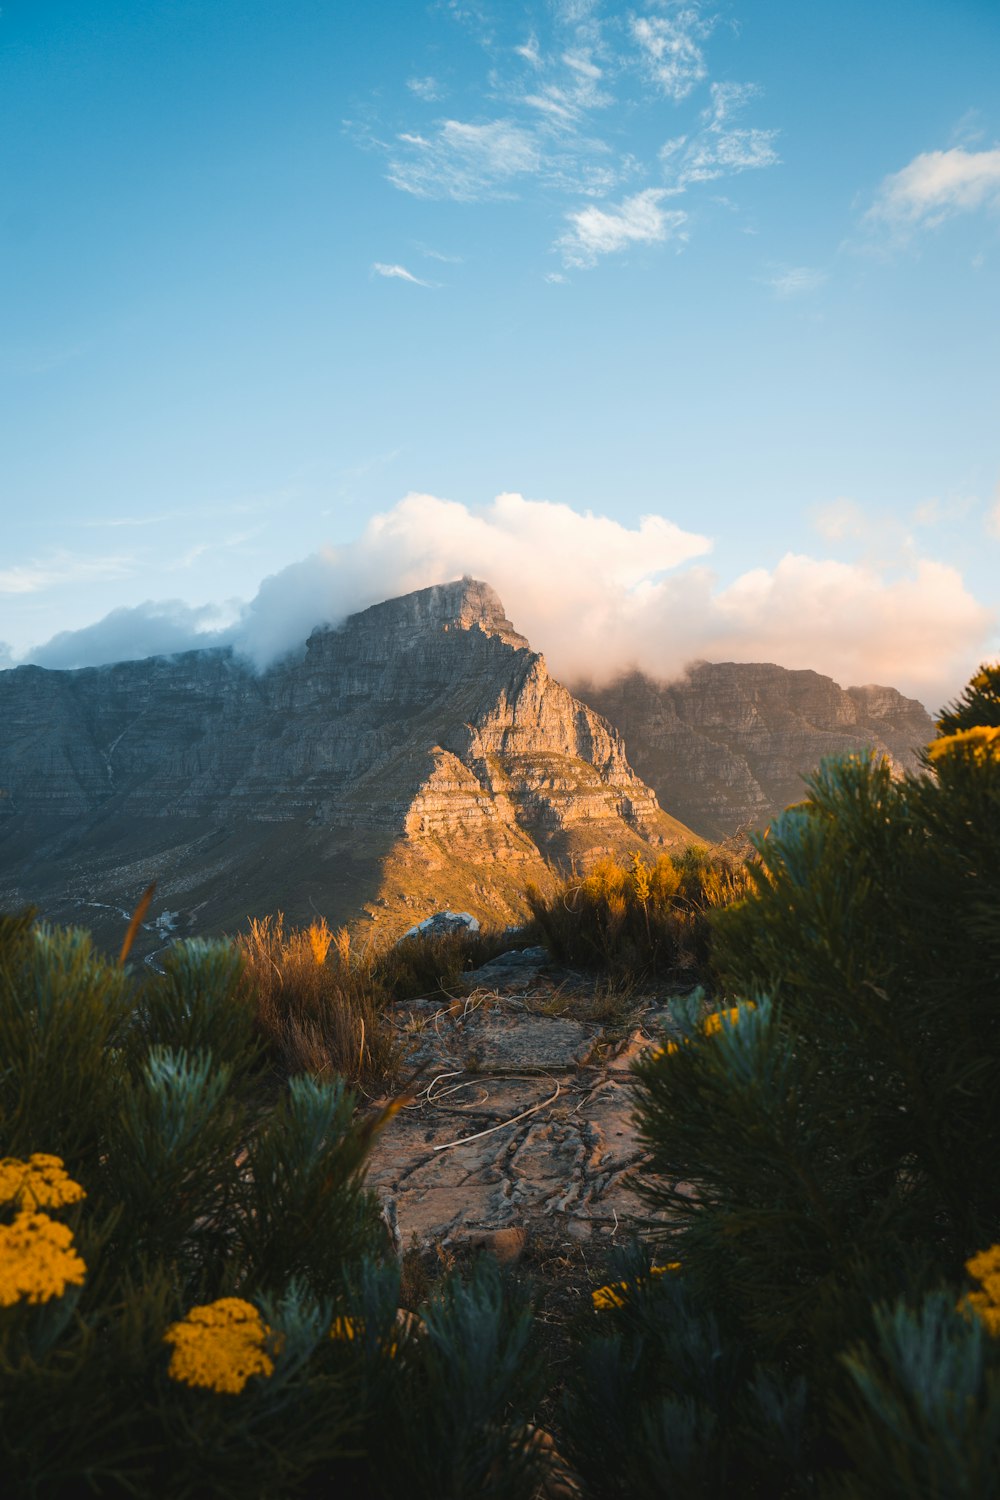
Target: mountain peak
[{"x": 461, "y": 604}]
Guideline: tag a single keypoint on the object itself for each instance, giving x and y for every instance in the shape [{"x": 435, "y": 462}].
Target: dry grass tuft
[
  {"x": 641, "y": 920},
  {"x": 318, "y": 1011},
  {"x": 322, "y": 1008}
]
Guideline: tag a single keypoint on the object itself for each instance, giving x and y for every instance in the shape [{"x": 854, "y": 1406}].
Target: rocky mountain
[
  {"x": 726, "y": 747},
  {"x": 418, "y": 756}
]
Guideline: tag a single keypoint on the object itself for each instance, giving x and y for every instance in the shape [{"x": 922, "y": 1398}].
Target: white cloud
[
  {"x": 151, "y": 629},
  {"x": 427, "y": 89},
  {"x": 398, "y": 273},
  {"x": 718, "y": 148},
  {"x": 465, "y": 161},
  {"x": 638, "y": 220},
  {"x": 529, "y": 51},
  {"x": 597, "y": 597},
  {"x": 671, "y": 51},
  {"x": 935, "y": 186},
  {"x": 796, "y": 281}
]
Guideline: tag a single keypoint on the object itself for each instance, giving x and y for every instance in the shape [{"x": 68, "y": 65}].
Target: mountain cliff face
[
  {"x": 419, "y": 755},
  {"x": 727, "y": 747}
]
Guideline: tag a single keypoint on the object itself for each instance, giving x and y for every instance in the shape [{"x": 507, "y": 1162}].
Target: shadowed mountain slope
[
  {"x": 419, "y": 755},
  {"x": 726, "y": 748}
]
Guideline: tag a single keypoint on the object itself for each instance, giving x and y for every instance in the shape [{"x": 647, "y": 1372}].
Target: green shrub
[
  {"x": 192, "y": 1298},
  {"x": 822, "y": 1147}
]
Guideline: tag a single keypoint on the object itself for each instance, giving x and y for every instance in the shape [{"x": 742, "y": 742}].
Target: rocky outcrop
[
  {"x": 417, "y": 756},
  {"x": 727, "y": 747}
]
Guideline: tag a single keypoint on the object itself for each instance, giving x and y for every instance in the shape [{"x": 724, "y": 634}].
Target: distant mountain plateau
[{"x": 418, "y": 756}]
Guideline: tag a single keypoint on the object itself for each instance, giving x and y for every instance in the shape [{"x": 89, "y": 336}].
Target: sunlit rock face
[
  {"x": 417, "y": 756},
  {"x": 727, "y": 747}
]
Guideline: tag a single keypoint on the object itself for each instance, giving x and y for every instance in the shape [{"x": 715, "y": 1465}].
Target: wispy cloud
[
  {"x": 464, "y": 161},
  {"x": 796, "y": 281},
  {"x": 398, "y": 273},
  {"x": 719, "y": 148},
  {"x": 62, "y": 568},
  {"x": 670, "y": 49},
  {"x": 449, "y": 260},
  {"x": 936, "y": 186},
  {"x": 639, "y": 220},
  {"x": 565, "y": 109},
  {"x": 427, "y": 89}
]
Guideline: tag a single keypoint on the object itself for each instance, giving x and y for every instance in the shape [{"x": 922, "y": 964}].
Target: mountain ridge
[{"x": 417, "y": 751}]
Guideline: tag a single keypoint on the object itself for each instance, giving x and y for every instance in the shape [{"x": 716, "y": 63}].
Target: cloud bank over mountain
[{"x": 596, "y": 596}]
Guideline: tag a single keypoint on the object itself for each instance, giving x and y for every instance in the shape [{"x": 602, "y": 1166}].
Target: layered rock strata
[
  {"x": 419, "y": 755},
  {"x": 728, "y": 746}
]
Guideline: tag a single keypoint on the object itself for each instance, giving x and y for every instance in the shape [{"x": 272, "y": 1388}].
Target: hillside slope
[{"x": 726, "y": 747}]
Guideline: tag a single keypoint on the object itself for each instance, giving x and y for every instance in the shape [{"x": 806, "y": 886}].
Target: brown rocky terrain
[
  {"x": 419, "y": 756},
  {"x": 726, "y": 747}
]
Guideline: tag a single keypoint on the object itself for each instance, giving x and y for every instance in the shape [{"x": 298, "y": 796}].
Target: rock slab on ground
[{"x": 523, "y": 1122}]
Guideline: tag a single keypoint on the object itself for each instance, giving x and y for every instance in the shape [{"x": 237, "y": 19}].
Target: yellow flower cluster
[
  {"x": 40, "y": 1182},
  {"x": 985, "y": 1268},
  {"x": 351, "y": 1328},
  {"x": 219, "y": 1346},
  {"x": 37, "y": 1259},
  {"x": 980, "y": 745},
  {"x": 615, "y": 1296},
  {"x": 710, "y": 1027}
]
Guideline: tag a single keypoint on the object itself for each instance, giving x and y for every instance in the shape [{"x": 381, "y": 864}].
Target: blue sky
[{"x": 270, "y": 268}]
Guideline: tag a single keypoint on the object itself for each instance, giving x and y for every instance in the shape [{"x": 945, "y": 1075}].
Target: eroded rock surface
[{"x": 522, "y": 1124}]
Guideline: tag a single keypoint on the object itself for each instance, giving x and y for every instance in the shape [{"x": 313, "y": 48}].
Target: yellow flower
[
  {"x": 980, "y": 745},
  {"x": 37, "y": 1259},
  {"x": 711, "y": 1026},
  {"x": 219, "y": 1346},
  {"x": 985, "y": 1268},
  {"x": 351, "y": 1328},
  {"x": 614, "y": 1296},
  {"x": 40, "y": 1182}
]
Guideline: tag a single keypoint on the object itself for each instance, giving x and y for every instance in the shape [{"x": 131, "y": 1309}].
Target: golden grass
[
  {"x": 641, "y": 919},
  {"x": 322, "y": 1008},
  {"x": 318, "y": 1010}
]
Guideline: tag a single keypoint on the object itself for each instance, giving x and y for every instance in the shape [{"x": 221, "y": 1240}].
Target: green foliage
[
  {"x": 62, "y": 1007},
  {"x": 978, "y": 704},
  {"x": 311, "y": 1222},
  {"x": 642, "y": 919},
  {"x": 662, "y": 1402},
  {"x": 923, "y": 1417},
  {"x": 199, "y": 1003},
  {"x": 819, "y": 1149},
  {"x": 459, "y": 1414},
  {"x": 189, "y": 1183}
]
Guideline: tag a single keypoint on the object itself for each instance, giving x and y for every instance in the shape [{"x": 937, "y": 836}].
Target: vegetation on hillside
[
  {"x": 641, "y": 920},
  {"x": 825, "y": 1155},
  {"x": 320, "y": 1006},
  {"x": 197, "y": 1294}
]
